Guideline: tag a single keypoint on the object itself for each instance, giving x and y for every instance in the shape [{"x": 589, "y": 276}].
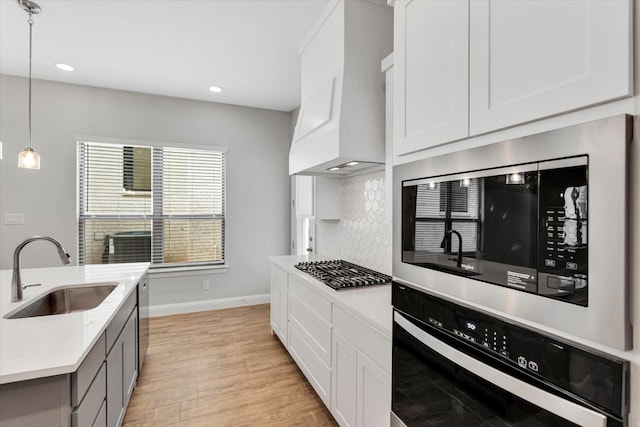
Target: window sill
[{"x": 160, "y": 272}]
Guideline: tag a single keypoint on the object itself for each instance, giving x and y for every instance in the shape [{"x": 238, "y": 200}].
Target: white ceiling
[{"x": 166, "y": 47}]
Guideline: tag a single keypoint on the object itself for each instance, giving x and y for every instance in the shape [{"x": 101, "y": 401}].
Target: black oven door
[{"x": 437, "y": 384}]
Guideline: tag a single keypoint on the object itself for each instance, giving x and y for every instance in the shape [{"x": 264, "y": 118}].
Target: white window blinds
[{"x": 139, "y": 203}]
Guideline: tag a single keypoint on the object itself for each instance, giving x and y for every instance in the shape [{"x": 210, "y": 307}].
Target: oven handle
[{"x": 556, "y": 405}]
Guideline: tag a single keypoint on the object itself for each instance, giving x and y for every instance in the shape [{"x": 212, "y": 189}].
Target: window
[{"x": 143, "y": 203}]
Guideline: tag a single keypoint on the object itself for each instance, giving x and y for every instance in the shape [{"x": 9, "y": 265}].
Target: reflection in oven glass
[{"x": 429, "y": 390}]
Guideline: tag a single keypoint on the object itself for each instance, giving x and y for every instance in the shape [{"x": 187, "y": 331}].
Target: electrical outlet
[
  {"x": 205, "y": 285},
  {"x": 13, "y": 219}
]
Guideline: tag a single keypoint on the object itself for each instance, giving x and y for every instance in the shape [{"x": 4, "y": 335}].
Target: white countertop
[
  {"x": 372, "y": 304},
  {"x": 52, "y": 345}
]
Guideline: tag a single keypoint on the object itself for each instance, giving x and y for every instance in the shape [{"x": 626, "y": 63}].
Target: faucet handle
[{"x": 25, "y": 286}]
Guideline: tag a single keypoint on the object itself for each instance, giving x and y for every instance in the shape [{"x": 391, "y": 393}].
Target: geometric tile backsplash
[{"x": 361, "y": 236}]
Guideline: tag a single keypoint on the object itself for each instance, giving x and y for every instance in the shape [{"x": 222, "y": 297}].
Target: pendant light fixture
[{"x": 29, "y": 158}]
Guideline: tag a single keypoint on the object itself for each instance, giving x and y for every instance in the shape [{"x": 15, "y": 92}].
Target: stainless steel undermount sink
[{"x": 66, "y": 300}]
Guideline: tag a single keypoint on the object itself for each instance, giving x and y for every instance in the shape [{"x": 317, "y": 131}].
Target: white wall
[{"x": 257, "y": 181}]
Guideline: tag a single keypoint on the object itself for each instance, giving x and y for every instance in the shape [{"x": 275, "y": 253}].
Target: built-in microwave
[
  {"x": 534, "y": 227},
  {"x": 522, "y": 226}
]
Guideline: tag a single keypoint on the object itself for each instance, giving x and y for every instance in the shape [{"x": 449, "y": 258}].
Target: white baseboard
[{"x": 214, "y": 304}]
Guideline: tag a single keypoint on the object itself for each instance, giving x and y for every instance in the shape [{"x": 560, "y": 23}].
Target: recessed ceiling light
[
  {"x": 215, "y": 89},
  {"x": 64, "y": 67}
]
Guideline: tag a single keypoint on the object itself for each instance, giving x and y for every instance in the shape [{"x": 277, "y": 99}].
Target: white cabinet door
[
  {"x": 344, "y": 381},
  {"x": 279, "y": 303},
  {"x": 284, "y": 310},
  {"x": 327, "y": 197},
  {"x": 274, "y": 308},
  {"x": 317, "y": 197},
  {"x": 533, "y": 59},
  {"x": 431, "y": 73},
  {"x": 374, "y": 394},
  {"x": 314, "y": 368},
  {"x": 304, "y": 196}
]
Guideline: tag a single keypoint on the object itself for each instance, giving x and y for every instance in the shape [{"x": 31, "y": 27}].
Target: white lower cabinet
[
  {"x": 344, "y": 381},
  {"x": 313, "y": 328},
  {"x": 314, "y": 368},
  {"x": 361, "y": 387},
  {"x": 346, "y": 361},
  {"x": 373, "y": 395},
  {"x": 279, "y": 303},
  {"x": 309, "y": 335}
]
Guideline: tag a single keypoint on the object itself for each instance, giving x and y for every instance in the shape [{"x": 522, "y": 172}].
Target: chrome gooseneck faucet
[
  {"x": 444, "y": 241},
  {"x": 16, "y": 281}
]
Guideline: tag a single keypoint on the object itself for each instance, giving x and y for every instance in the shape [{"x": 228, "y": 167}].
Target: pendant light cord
[{"x": 30, "y": 21}]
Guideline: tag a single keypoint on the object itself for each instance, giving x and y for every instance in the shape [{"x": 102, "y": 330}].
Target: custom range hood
[{"x": 341, "y": 123}]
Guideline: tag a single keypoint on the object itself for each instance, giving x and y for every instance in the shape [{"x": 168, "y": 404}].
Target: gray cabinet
[
  {"x": 38, "y": 402},
  {"x": 88, "y": 412},
  {"x": 101, "y": 419},
  {"x": 115, "y": 386},
  {"x": 130, "y": 355},
  {"x": 97, "y": 394},
  {"x": 74, "y": 400},
  {"x": 88, "y": 388},
  {"x": 122, "y": 371}
]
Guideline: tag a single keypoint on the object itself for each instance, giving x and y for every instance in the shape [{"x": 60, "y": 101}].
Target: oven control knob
[{"x": 522, "y": 362}]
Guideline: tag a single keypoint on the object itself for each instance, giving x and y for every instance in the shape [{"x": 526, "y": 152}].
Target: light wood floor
[{"x": 221, "y": 368}]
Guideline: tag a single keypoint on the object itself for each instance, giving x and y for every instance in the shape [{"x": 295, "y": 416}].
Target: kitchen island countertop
[
  {"x": 372, "y": 304},
  {"x": 43, "y": 346}
]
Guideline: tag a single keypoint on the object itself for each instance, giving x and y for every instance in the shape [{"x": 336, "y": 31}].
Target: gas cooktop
[{"x": 340, "y": 274}]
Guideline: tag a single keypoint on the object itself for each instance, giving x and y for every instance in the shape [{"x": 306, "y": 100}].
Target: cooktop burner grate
[{"x": 340, "y": 274}]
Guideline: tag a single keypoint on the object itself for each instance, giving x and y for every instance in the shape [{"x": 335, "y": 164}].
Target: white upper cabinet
[
  {"x": 317, "y": 197},
  {"x": 304, "y": 196},
  {"x": 533, "y": 59},
  {"x": 465, "y": 68},
  {"x": 431, "y": 73}
]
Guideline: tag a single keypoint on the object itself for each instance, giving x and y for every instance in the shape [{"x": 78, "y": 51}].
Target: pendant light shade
[{"x": 29, "y": 158}]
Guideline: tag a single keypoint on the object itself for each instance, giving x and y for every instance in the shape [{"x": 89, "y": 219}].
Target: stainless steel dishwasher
[{"x": 143, "y": 316}]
